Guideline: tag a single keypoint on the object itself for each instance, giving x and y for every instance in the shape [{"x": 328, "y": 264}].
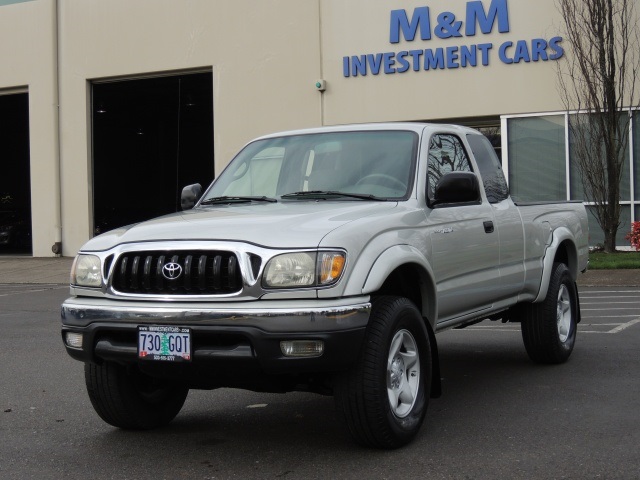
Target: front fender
[{"x": 365, "y": 282}]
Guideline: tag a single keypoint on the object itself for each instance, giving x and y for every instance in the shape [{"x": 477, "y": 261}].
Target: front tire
[
  {"x": 128, "y": 399},
  {"x": 383, "y": 399},
  {"x": 549, "y": 328}
]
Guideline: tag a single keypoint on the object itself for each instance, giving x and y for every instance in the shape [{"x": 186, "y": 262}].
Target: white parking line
[
  {"x": 636, "y": 302},
  {"x": 619, "y": 327},
  {"x": 624, "y": 326},
  {"x": 602, "y": 309},
  {"x": 607, "y": 297},
  {"x": 600, "y": 324},
  {"x": 611, "y": 291}
]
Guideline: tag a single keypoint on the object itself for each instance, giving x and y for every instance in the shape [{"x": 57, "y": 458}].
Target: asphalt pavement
[{"x": 500, "y": 415}]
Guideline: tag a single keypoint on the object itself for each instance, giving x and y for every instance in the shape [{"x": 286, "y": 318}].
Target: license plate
[{"x": 164, "y": 343}]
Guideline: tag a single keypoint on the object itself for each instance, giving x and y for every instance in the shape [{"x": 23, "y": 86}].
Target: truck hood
[{"x": 289, "y": 224}]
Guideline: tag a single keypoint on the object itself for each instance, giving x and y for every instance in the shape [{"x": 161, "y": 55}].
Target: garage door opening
[
  {"x": 151, "y": 137},
  {"x": 15, "y": 179}
]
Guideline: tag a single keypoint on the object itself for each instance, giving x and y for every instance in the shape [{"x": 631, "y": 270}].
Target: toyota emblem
[{"x": 171, "y": 271}]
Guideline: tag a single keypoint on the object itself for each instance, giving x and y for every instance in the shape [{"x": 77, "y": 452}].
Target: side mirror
[
  {"x": 190, "y": 196},
  {"x": 457, "y": 187}
]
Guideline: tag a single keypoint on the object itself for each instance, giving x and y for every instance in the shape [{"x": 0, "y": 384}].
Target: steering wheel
[{"x": 386, "y": 179}]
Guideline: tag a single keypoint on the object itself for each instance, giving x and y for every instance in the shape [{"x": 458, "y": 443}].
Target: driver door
[{"x": 465, "y": 247}]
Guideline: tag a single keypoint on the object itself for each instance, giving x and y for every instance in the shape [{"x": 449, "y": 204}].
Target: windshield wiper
[
  {"x": 234, "y": 199},
  {"x": 333, "y": 193}
]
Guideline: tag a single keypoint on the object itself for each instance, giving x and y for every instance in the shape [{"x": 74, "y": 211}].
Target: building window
[
  {"x": 596, "y": 235},
  {"x": 577, "y": 189},
  {"x": 538, "y": 161},
  {"x": 537, "y": 165}
]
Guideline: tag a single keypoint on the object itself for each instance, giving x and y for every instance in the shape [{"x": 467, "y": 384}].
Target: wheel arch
[
  {"x": 403, "y": 271},
  {"x": 562, "y": 250}
]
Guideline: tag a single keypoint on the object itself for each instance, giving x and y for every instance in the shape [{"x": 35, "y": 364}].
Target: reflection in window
[
  {"x": 258, "y": 176},
  {"x": 495, "y": 185},
  {"x": 446, "y": 154},
  {"x": 596, "y": 235},
  {"x": 582, "y": 124},
  {"x": 537, "y": 165}
]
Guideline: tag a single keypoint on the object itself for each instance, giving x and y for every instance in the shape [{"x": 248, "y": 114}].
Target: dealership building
[{"x": 108, "y": 108}]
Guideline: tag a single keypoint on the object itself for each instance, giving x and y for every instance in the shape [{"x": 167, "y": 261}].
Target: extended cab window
[
  {"x": 495, "y": 185},
  {"x": 446, "y": 154}
]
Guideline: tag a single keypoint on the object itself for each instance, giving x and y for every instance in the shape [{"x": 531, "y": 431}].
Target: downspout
[
  {"x": 321, "y": 61},
  {"x": 56, "y": 248}
]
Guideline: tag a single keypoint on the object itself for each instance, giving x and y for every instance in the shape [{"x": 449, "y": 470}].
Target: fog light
[
  {"x": 73, "y": 340},
  {"x": 302, "y": 348}
]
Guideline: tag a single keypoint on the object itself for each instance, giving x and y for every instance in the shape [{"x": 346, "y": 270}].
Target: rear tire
[
  {"x": 383, "y": 399},
  {"x": 128, "y": 399},
  {"x": 549, "y": 328}
]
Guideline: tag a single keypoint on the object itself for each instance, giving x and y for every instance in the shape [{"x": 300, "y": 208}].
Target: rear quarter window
[{"x": 495, "y": 185}]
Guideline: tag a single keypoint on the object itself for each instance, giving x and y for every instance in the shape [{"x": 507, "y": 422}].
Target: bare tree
[{"x": 598, "y": 80}]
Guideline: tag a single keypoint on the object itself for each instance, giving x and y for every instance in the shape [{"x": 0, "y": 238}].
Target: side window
[
  {"x": 495, "y": 185},
  {"x": 446, "y": 154}
]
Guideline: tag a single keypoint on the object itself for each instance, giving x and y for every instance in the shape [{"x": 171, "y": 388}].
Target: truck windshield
[{"x": 371, "y": 164}]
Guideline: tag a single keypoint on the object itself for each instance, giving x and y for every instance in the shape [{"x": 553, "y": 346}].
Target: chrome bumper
[{"x": 300, "y": 316}]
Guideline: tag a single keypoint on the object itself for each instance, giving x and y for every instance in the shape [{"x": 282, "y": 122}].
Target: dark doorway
[
  {"x": 151, "y": 137},
  {"x": 15, "y": 179}
]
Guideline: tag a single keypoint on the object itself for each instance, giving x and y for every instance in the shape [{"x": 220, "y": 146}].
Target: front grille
[{"x": 200, "y": 272}]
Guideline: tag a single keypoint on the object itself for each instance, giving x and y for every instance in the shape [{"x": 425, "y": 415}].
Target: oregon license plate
[{"x": 164, "y": 343}]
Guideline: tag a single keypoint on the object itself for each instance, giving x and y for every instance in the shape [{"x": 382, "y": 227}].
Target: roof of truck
[{"x": 361, "y": 127}]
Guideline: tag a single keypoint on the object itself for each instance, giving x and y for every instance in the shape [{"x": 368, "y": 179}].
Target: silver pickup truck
[{"x": 324, "y": 260}]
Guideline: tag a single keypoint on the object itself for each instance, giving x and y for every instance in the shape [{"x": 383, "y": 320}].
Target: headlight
[
  {"x": 86, "y": 271},
  {"x": 305, "y": 269}
]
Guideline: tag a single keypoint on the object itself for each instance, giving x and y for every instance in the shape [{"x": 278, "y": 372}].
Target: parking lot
[
  {"x": 500, "y": 416},
  {"x": 608, "y": 310}
]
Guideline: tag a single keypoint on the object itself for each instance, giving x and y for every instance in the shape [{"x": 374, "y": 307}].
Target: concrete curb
[{"x": 610, "y": 278}]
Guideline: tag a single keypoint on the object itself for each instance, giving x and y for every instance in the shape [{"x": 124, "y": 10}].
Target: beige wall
[
  {"x": 27, "y": 56},
  {"x": 362, "y": 27},
  {"x": 265, "y": 57}
]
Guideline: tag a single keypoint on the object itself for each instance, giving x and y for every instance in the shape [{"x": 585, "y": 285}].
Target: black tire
[
  {"x": 549, "y": 327},
  {"x": 366, "y": 394},
  {"x": 127, "y": 399}
]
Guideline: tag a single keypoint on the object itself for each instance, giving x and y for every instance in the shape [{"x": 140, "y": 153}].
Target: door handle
[{"x": 488, "y": 227}]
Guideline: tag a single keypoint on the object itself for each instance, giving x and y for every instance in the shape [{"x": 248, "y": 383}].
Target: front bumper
[{"x": 231, "y": 336}]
